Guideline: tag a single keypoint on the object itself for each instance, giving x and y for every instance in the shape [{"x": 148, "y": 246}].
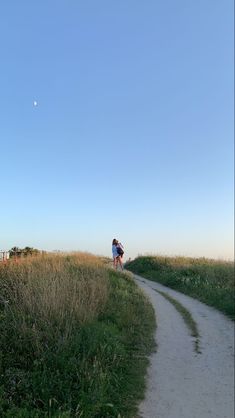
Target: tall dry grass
[
  {"x": 56, "y": 293},
  {"x": 74, "y": 336}
]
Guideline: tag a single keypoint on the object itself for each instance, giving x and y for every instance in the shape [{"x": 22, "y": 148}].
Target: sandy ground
[{"x": 182, "y": 383}]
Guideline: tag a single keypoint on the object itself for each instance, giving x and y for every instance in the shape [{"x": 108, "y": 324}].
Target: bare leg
[{"x": 120, "y": 262}]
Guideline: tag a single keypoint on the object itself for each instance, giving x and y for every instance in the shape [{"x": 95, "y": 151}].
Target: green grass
[
  {"x": 187, "y": 317},
  {"x": 210, "y": 281},
  {"x": 74, "y": 339}
]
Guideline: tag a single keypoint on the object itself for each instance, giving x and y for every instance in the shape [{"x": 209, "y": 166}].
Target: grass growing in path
[
  {"x": 210, "y": 281},
  {"x": 187, "y": 317},
  {"x": 74, "y": 337}
]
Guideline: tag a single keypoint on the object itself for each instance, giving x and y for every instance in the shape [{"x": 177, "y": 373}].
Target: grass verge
[
  {"x": 210, "y": 281},
  {"x": 74, "y": 339},
  {"x": 187, "y": 317}
]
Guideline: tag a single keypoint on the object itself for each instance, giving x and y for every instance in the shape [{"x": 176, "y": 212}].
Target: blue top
[{"x": 114, "y": 251}]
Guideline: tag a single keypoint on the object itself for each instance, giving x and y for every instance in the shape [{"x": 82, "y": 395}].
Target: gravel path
[{"x": 182, "y": 383}]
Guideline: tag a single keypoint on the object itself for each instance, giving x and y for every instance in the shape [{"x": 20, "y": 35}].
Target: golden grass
[
  {"x": 56, "y": 291},
  {"x": 74, "y": 338},
  {"x": 187, "y": 261}
]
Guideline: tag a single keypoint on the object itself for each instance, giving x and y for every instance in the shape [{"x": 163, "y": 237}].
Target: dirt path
[{"x": 182, "y": 383}]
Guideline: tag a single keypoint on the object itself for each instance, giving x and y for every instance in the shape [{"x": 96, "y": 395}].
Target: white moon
[{"x": 35, "y": 103}]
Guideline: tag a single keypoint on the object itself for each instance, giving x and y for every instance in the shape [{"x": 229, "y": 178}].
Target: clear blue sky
[{"x": 132, "y": 135}]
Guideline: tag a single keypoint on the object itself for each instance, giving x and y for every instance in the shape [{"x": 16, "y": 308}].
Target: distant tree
[
  {"x": 18, "y": 252},
  {"x": 14, "y": 251},
  {"x": 28, "y": 250}
]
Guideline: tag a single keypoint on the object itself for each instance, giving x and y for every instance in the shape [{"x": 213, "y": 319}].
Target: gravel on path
[{"x": 182, "y": 383}]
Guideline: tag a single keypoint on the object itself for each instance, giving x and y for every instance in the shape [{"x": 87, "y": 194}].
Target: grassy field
[
  {"x": 74, "y": 336},
  {"x": 208, "y": 280}
]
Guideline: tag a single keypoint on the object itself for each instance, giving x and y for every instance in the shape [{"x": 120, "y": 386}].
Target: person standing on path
[{"x": 117, "y": 251}]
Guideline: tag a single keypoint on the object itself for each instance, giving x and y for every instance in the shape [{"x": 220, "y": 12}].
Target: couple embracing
[{"x": 117, "y": 250}]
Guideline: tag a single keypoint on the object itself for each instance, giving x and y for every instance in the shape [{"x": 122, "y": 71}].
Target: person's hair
[{"x": 115, "y": 241}]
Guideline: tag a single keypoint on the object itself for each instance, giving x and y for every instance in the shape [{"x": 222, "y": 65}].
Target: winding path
[{"x": 182, "y": 383}]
